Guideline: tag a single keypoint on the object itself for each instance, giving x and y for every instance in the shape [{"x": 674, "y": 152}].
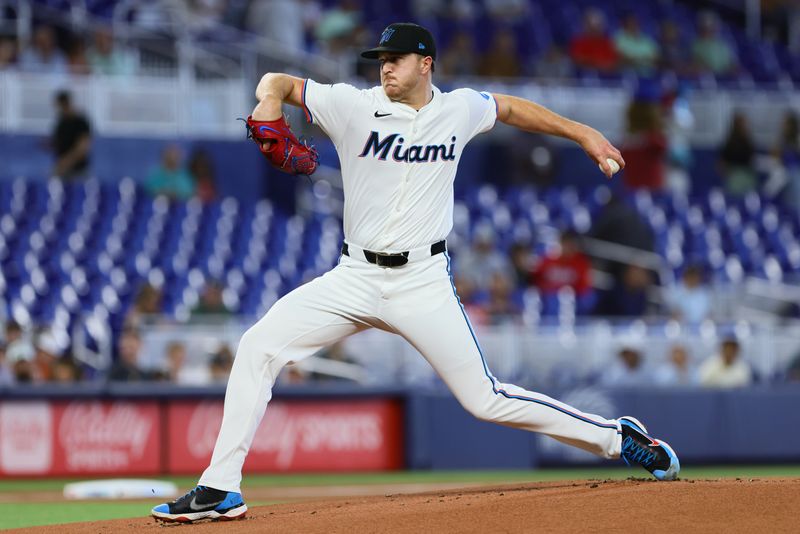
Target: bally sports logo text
[{"x": 411, "y": 154}]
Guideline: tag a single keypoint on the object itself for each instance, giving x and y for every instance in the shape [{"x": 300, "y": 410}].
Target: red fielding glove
[{"x": 280, "y": 146}]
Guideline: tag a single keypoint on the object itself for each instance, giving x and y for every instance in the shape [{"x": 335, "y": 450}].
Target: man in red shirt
[
  {"x": 593, "y": 49},
  {"x": 645, "y": 146},
  {"x": 566, "y": 267}
]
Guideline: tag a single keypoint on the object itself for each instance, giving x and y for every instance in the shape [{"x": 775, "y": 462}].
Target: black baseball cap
[{"x": 404, "y": 38}]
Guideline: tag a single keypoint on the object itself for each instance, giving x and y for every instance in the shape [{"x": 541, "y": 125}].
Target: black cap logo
[
  {"x": 386, "y": 35},
  {"x": 404, "y": 38}
]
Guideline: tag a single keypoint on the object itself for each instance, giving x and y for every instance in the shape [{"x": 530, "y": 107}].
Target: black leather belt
[{"x": 394, "y": 260}]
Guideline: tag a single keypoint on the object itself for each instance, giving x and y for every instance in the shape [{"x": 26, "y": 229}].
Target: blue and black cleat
[
  {"x": 202, "y": 503},
  {"x": 654, "y": 455}
]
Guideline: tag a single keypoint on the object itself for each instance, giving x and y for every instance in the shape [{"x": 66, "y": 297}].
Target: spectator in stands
[
  {"x": 13, "y": 333},
  {"x": 779, "y": 19},
  {"x": 66, "y": 371},
  {"x": 566, "y": 266},
  {"x": 71, "y": 140},
  {"x": 43, "y": 56},
  {"x": 19, "y": 352},
  {"x": 736, "y": 159},
  {"x": 674, "y": 53},
  {"x": 477, "y": 263},
  {"x": 500, "y": 307},
  {"x": 502, "y": 59},
  {"x": 106, "y": 59},
  {"x": 629, "y": 369},
  {"x": 637, "y": 50},
  {"x": 178, "y": 372},
  {"x": 77, "y": 60},
  {"x": 171, "y": 178},
  {"x": 711, "y": 53},
  {"x": 211, "y": 300},
  {"x": 679, "y": 125},
  {"x": 459, "y": 58},
  {"x": 174, "y": 361},
  {"x": 126, "y": 365},
  {"x": 220, "y": 365},
  {"x": 22, "y": 371},
  {"x": 630, "y": 298},
  {"x": 340, "y": 29},
  {"x": 621, "y": 224},
  {"x": 147, "y": 302},
  {"x": 553, "y": 64},
  {"x": 645, "y": 145},
  {"x": 726, "y": 369},
  {"x": 786, "y": 153},
  {"x": 201, "y": 167},
  {"x": 47, "y": 354},
  {"x": 677, "y": 370},
  {"x": 593, "y": 49},
  {"x": 690, "y": 300},
  {"x": 8, "y": 53},
  {"x": 523, "y": 262}
]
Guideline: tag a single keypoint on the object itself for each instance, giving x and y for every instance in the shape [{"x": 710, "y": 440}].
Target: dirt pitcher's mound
[{"x": 729, "y": 506}]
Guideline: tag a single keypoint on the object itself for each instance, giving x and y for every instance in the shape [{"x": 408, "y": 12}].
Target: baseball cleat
[
  {"x": 654, "y": 455},
  {"x": 202, "y": 503}
]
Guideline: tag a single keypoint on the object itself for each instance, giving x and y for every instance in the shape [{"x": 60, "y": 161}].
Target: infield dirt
[{"x": 727, "y": 505}]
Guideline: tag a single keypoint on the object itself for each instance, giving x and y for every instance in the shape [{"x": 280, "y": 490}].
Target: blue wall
[
  {"x": 440, "y": 434},
  {"x": 748, "y": 425}
]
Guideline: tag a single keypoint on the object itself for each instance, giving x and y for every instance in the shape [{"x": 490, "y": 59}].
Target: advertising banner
[
  {"x": 330, "y": 435},
  {"x": 79, "y": 438}
]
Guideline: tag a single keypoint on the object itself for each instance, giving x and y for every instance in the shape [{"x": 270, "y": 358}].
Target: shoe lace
[
  {"x": 190, "y": 494},
  {"x": 633, "y": 451}
]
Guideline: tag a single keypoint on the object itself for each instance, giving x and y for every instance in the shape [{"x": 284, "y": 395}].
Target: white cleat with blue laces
[
  {"x": 654, "y": 455},
  {"x": 202, "y": 503}
]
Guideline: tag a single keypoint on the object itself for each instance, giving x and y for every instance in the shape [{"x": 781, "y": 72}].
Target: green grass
[
  {"x": 17, "y": 515},
  {"x": 22, "y": 514}
]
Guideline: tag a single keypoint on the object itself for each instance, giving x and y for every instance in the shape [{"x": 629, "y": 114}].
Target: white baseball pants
[{"x": 416, "y": 301}]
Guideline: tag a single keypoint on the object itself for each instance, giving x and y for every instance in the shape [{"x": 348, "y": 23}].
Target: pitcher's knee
[
  {"x": 250, "y": 342},
  {"x": 256, "y": 346},
  {"x": 478, "y": 408}
]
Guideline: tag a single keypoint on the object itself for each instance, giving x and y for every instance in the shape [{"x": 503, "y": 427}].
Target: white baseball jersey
[{"x": 390, "y": 207}]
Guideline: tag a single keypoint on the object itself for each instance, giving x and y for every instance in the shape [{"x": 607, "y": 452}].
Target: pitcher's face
[{"x": 402, "y": 73}]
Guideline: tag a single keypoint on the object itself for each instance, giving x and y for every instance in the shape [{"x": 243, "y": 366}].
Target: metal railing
[
  {"x": 242, "y": 58},
  {"x": 541, "y": 355}
]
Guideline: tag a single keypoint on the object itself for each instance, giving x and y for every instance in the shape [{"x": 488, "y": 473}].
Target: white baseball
[{"x": 611, "y": 163}]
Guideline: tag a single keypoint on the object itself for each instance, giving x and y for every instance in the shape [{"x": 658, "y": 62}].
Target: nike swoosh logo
[
  {"x": 199, "y": 508},
  {"x": 379, "y": 115}
]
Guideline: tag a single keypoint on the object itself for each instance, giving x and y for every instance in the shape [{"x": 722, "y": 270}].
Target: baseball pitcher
[{"x": 399, "y": 145}]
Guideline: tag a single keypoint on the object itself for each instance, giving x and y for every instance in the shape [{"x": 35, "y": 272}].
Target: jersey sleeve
[
  {"x": 329, "y": 106},
  {"x": 482, "y": 110}
]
